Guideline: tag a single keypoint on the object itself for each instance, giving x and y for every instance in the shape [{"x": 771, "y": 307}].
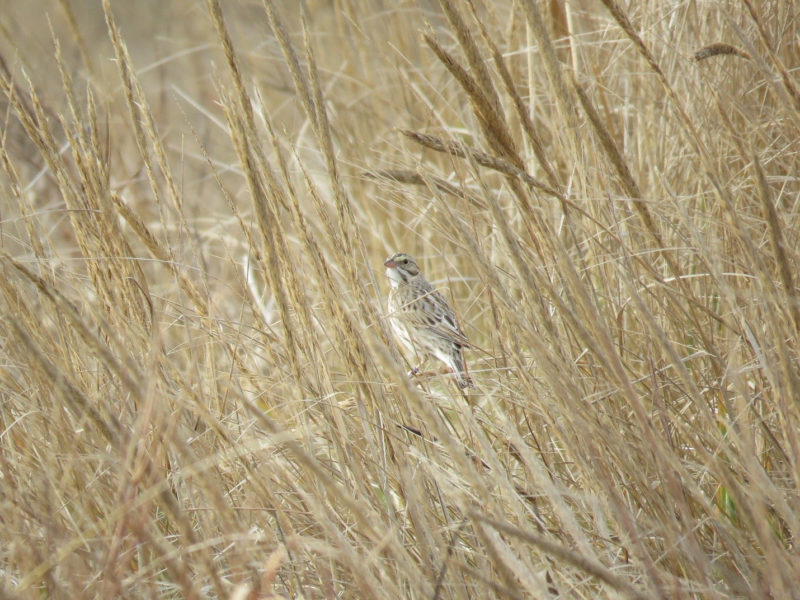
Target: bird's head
[{"x": 400, "y": 268}]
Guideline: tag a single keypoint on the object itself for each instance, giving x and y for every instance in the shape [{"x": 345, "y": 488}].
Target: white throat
[{"x": 394, "y": 277}]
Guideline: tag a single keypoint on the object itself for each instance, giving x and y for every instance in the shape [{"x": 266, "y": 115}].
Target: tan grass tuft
[{"x": 199, "y": 393}]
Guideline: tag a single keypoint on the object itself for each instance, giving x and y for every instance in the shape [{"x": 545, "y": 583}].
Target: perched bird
[{"x": 422, "y": 319}]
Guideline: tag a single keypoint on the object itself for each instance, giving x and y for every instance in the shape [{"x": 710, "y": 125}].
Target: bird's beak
[{"x": 390, "y": 263}]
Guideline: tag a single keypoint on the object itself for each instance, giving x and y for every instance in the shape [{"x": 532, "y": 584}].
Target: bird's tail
[{"x": 460, "y": 370}]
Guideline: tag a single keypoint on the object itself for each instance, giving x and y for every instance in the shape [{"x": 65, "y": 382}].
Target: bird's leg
[
  {"x": 417, "y": 369},
  {"x": 462, "y": 379}
]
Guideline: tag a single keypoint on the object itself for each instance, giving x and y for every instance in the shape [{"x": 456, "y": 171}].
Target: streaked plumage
[{"x": 421, "y": 317}]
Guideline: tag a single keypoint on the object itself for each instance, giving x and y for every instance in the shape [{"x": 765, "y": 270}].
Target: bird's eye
[{"x": 404, "y": 261}]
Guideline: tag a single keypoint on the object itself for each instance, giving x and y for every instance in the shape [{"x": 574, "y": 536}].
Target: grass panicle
[{"x": 199, "y": 393}]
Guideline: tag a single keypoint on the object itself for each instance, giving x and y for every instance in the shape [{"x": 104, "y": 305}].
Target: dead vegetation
[{"x": 199, "y": 395}]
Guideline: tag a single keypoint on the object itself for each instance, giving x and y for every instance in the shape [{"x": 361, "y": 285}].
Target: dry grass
[{"x": 199, "y": 396}]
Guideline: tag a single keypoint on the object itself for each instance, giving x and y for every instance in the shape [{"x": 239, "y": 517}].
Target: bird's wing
[
  {"x": 430, "y": 312},
  {"x": 446, "y": 321}
]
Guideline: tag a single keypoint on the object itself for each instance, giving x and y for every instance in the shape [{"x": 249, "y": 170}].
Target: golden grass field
[{"x": 200, "y": 396}]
